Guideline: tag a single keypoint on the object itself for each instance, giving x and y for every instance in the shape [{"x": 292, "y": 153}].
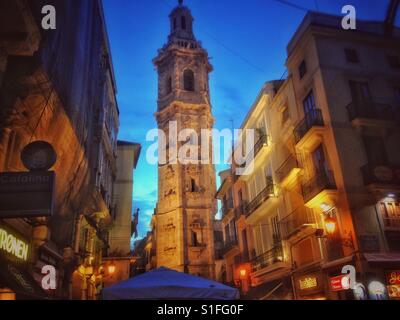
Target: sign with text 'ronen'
[{"x": 26, "y": 194}]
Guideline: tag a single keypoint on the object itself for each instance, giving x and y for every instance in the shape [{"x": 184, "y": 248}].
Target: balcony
[
  {"x": 227, "y": 206},
  {"x": 370, "y": 113},
  {"x": 228, "y": 246},
  {"x": 391, "y": 223},
  {"x": 267, "y": 259},
  {"x": 261, "y": 144},
  {"x": 296, "y": 222},
  {"x": 288, "y": 171},
  {"x": 264, "y": 195},
  {"x": 239, "y": 211},
  {"x": 321, "y": 186},
  {"x": 385, "y": 176},
  {"x": 312, "y": 119}
]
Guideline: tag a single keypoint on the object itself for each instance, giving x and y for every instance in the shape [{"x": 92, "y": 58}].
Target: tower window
[
  {"x": 169, "y": 85},
  {"x": 183, "y": 22},
  {"x": 174, "y": 23},
  {"x": 193, "y": 187},
  {"x": 188, "y": 80}
]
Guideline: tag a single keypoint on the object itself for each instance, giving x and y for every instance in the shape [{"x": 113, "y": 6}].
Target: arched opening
[
  {"x": 174, "y": 23},
  {"x": 183, "y": 23},
  {"x": 188, "y": 80},
  {"x": 169, "y": 85}
]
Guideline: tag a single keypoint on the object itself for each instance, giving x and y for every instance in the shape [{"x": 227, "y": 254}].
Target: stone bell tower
[{"x": 186, "y": 207}]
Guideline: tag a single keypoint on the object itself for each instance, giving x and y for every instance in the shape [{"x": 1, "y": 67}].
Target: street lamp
[{"x": 111, "y": 268}]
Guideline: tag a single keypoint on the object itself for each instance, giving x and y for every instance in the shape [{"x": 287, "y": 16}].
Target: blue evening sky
[{"x": 246, "y": 40}]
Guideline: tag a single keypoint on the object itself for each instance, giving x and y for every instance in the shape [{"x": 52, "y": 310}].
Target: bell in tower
[{"x": 186, "y": 207}]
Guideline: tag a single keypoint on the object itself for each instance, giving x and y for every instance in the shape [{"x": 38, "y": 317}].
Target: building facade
[
  {"x": 117, "y": 257},
  {"x": 186, "y": 205},
  {"x": 324, "y": 190},
  {"x": 58, "y": 86}
]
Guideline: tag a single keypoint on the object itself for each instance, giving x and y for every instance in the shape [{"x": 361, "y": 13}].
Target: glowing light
[
  {"x": 330, "y": 225},
  {"x": 243, "y": 273},
  {"x": 111, "y": 268},
  {"x": 325, "y": 207}
]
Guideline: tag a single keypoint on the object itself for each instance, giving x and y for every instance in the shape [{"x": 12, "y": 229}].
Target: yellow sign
[
  {"x": 12, "y": 245},
  {"x": 308, "y": 283}
]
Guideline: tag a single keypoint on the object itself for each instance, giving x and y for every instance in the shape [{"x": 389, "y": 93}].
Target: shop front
[{"x": 16, "y": 280}]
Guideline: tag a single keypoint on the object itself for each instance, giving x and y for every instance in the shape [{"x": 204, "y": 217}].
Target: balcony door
[
  {"x": 360, "y": 91},
  {"x": 319, "y": 160}
]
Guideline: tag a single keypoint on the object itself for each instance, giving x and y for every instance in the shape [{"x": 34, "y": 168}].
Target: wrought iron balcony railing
[
  {"x": 323, "y": 180},
  {"x": 240, "y": 210},
  {"x": 311, "y": 119},
  {"x": 264, "y": 195},
  {"x": 229, "y": 245},
  {"x": 296, "y": 220},
  {"x": 392, "y": 222},
  {"x": 227, "y": 206},
  {"x": 369, "y": 109},
  {"x": 287, "y": 166},
  {"x": 268, "y": 258}
]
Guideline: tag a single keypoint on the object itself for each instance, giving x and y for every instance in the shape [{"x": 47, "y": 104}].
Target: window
[
  {"x": 285, "y": 115},
  {"x": 394, "y": 61},
  {"x": 318, "y": 156},
  {"x": 360, "y": 91},
  {"x": 351, "y": 55},
  {"x": 195, "y": 240},
  {"x": 174, "y": 23},
  {"x": 302, "y": 69},
  {"x": 376, "y": 151},
  {"x": 193, "y": 186},
  {"x": 188, "y": 80},
  {"x": 276, "y": 235},
  {"x": 183, "y": 23},
  {"x": 309, "y": 104},
  {"x": 169, "y": 85},
  {"x": 227, "y": 234}
]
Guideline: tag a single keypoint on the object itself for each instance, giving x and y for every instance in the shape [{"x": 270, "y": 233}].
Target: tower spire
[{"x": 180, "y": 2}]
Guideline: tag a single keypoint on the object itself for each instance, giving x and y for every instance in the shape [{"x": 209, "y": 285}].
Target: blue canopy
[{"x": 164, "y": 283}]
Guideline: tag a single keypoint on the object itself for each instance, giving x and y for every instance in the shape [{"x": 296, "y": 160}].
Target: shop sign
[
  {"x": 13, "y": 245},
  {"x": 308, "y": 283},
  {"x": 393, "y": 281},
  {"x": 340, "y": 283},
  {"x": 26, "y": 194},
  {"x": 393, "y": 278}
]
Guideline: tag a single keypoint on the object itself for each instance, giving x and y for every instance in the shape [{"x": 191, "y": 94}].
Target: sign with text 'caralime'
[{"x": 26, "y": 194}]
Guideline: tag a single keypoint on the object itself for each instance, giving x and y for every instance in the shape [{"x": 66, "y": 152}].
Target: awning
[
  {"x": 278, "y": 289},
  {"x": 389, "y": 259},
  {"x": 21, "y": 282}
]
